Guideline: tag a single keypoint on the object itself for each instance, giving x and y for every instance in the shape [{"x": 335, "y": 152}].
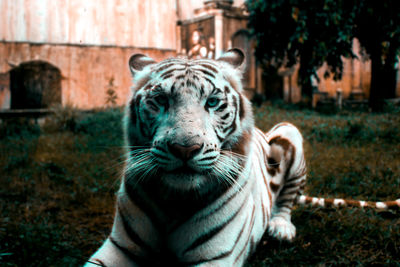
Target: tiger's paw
[{"x": 281, "y": 229}]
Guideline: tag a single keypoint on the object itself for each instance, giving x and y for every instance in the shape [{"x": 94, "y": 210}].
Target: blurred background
[
  {"x": 66, "y": 52},
  {"x": 329, "y": 67}
]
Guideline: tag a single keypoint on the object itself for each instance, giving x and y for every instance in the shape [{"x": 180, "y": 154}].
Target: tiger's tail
[{"x": 339, "y": 202}]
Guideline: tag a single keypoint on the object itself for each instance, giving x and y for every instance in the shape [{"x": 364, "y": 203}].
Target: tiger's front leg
[
  {"x": 132, "y": 237},
  {"x": 286, "y": 165},
  {"x": 110, "y": 255}
]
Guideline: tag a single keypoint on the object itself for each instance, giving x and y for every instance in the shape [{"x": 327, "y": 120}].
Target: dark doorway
[{"x": 35, "y": 84}]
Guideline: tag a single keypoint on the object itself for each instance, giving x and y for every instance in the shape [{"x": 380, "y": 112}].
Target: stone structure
[
  {"x": 87, "y": 46},
  {"x": 355, "y": 82},
  {"x": 90, "y": 44},
  {"x": 216, "y": 27},
  {"x": 85, "y": 70}
]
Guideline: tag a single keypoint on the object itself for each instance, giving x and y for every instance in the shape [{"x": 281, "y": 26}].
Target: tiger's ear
[
  {"x": 137, "y": 62},
  {"x": 234, "y": 57}
]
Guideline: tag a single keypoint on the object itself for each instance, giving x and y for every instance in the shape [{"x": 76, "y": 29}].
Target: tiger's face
[{"x": 187, "y": 122}]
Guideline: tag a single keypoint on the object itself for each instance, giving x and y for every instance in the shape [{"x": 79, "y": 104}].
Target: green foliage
[
  {"x": 23, "y": 240},
  {"x": 89, "y": 123},
  {"x": 104, "y": 121},
  {"x": 349, "y": 155},
  {"x": 339, "y": 128},
  {"x": 63, "y": 118},
  {"x": 378, "y": 29},
  {"x": 19, "y": 128},
  {"x": 58, "y": 189},
  {"x": 312, "y": 32}
]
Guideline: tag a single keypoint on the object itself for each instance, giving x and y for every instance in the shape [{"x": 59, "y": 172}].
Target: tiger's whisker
[{"x": 229, "y": 169}]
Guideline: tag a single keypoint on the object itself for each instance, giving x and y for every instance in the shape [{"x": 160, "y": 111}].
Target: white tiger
[{"x": 202, "y": 184}]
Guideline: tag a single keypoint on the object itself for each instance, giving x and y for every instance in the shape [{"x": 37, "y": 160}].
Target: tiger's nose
[{"x": 184, "y": 152}]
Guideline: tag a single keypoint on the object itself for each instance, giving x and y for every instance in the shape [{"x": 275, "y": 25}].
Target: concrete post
[
  {"x": 219, "y": 29},
  {"x": 339, "y": 98}
]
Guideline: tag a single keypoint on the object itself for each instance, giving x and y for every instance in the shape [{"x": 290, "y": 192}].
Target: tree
[
  {"x": 312, "y": 32},
  {"x": 309, "y": 32},
  {"x": 377, "y": 26}
]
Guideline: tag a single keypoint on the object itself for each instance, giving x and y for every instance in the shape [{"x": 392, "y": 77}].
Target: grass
[
  {"x": 349, "y": 155},
  {"x": 58, "y": 184}
]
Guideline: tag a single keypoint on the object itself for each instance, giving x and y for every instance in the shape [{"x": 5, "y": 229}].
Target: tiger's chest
[
  {"x": 233, "y": 224},
  {"x": 227, "y": 226}
]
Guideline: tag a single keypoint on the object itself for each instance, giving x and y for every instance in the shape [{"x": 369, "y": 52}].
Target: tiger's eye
[
  {"x": 161, "y": 99},
  {"x": 212, "y": 102}
]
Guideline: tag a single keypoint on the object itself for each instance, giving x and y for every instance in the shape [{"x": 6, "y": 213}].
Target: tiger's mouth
[{"x": 183, "y": 170}]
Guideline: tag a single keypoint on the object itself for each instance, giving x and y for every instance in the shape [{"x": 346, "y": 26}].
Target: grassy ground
[{"x": 58, "y": 183}]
